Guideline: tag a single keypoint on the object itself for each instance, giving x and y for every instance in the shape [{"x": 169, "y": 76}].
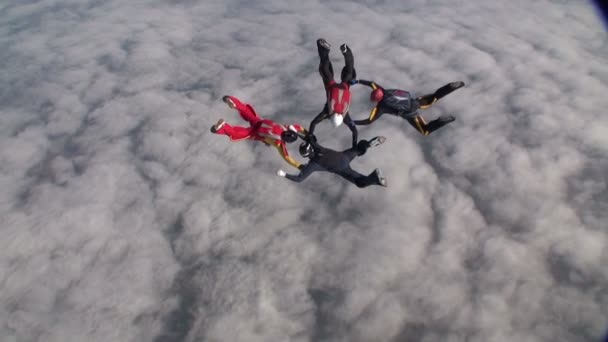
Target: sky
[{"x": 124, "y": 219}]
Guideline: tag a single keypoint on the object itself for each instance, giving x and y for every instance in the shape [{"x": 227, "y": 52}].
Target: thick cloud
[{"x": 124, "y": 219}]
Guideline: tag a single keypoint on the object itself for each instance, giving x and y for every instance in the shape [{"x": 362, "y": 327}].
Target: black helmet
[
  {"x": 289, "y": 136},
  {"x": 305, "y": 149}
]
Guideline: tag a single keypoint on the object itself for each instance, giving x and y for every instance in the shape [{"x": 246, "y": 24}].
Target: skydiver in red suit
[{"x": 259, "y": 129}]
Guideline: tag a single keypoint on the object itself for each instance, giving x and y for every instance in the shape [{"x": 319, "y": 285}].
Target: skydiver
[
  {"x": 325, "y": 159},
  {"x": 267, "y": 131},
  {"x": 337, "y": 94},
  {"x": 405, "y": 104}
]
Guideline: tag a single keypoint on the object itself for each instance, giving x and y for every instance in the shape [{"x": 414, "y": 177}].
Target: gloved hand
[
  {"x": 292, "y": 128},
  {"x": 353, "y": 82},
  {"x": 311, "y": 138},
  {"x": 281, "y": 173},
  {"x": 344, "y": 48}
]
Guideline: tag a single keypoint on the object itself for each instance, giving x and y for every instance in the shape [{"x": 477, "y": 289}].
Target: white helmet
[{"x": 336, "y": 119}]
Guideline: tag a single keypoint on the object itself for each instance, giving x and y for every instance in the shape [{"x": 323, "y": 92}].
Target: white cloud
[{"x": 124, "y": 219}]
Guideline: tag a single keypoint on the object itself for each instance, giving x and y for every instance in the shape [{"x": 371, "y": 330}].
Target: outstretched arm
[
  {"x": 289, "y": 159},
  {"x": 370, "y": 84},
  {"x": 351, "y": 125},
  {"x": 307, "y": 137},
  {"x": 373, "y": 116},
  {"x": 320, "y": 117},
  {"x": 304, "y": 173}
]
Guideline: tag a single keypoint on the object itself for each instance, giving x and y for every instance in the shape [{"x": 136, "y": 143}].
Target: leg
[
  {"x": 425, "y": 129},
  {"x": 325, "y": 67},
  {"x": 439, "y": 122},
  {"x": 447, "y": 89},
  {"x": 348, "y": 72},
  {"x": 245, "y": 110},
  {"x": 427, "y": 100},
  {"x": 235, "y": 133},
  {"x": 360, "y": 180}
]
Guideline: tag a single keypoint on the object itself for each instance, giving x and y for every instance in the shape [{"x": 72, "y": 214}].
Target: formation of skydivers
[{"x": 336, "y": 109}]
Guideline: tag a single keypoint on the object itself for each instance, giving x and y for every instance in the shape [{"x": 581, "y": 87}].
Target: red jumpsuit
[{"x": 261, "y": 129}]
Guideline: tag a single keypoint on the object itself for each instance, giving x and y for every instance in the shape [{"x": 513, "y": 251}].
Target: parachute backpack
[{"x": 400, "y": 100}]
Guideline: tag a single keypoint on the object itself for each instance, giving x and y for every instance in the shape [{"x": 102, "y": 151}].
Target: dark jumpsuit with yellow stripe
[{"x": 405, "y": 104}]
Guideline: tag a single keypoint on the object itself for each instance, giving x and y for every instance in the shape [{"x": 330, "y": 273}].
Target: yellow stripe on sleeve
[{"x": 372, "y": 115}]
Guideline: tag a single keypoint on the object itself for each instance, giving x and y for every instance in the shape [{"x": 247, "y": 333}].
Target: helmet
[
  {"x": 305, "y": 149},
  {"x": 338, "y": 99},
  {"x": 376, "y": 95},
  {"x": 289, "y": 136},
  {"x": 336, "y": 119}
]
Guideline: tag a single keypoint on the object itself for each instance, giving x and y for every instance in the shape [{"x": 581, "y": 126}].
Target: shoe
[
  {"x": 446, "y": 119},
  {"x": 323, "y": 43},
  {"x": 447, "y": 89},
  {"x": 456, "y": 85},
  {"x": 381, "y": 178},
  {"x": 229, "y": 101},
  {"x": 220, "y": 123},
  {"x": 376, "y": 141},
  {"x": 344, "y": 48}
]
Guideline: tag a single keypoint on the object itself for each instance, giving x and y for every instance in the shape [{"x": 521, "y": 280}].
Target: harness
[{"x": 338, "y": 96}]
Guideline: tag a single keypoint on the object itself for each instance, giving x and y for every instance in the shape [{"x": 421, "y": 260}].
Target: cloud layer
[{"x": 124, "y": 219}]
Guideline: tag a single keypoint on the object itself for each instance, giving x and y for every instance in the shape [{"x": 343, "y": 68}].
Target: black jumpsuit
[
  {"x": 405, "y": 104},
  {"x": 325, "y": 159}
]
